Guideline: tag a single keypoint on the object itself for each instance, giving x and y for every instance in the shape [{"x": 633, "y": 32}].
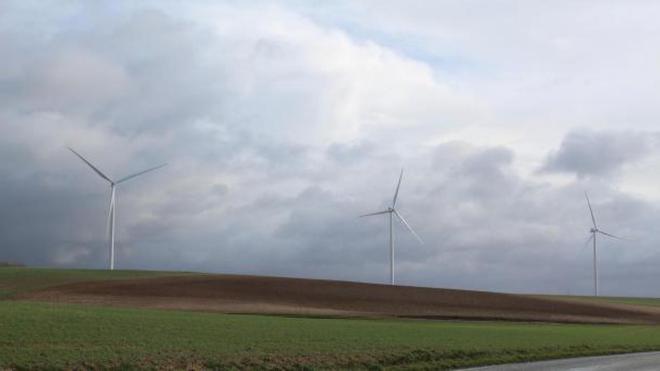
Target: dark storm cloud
[
  {"x": 590, "y": 153},
  {"x": 43, "y": 225}
]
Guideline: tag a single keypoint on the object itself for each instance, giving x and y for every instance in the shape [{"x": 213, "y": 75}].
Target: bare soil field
[{"x": 289, "y": 296}]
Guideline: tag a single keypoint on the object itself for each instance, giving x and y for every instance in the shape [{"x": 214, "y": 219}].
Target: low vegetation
[
  {"x": 40, "y": 335},
  {"x": 10, "y": 264}
]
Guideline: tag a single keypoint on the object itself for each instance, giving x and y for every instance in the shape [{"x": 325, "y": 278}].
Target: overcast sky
[{"x": 282, "y": 121}]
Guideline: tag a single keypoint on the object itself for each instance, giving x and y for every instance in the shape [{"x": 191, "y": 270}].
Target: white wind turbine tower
[
  {"x": 594, "y": 231},
  {"x": 112, "y": 209},
  {"x": 392, "y": 211}
]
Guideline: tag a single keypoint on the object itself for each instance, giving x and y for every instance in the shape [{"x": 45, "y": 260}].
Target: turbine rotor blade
[
  {"x": 396, "y": 193},
  {"x": 591, "y": 237},
  {"x": 611, "y": 235},
  {"x": 90, "y": 165},
  {"x": 140, "y": 173},
  {"x": 404, "y": 222},
  {"x": 593, "y": 218},
  {"x": 377, "y": 213}
]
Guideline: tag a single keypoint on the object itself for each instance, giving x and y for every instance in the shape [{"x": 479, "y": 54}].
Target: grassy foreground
[{"x": 39, "y": 335}]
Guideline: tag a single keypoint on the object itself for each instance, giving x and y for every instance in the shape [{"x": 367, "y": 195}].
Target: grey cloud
[
  {"x": 42, "y": 224},
  {"x": 589, "y": 153},
  {"x": 269, "y": 163},
  {"x": 346, "y": 153}
]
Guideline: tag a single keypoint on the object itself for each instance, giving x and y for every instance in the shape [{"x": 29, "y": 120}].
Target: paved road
[{"x": 628, "y": 362}]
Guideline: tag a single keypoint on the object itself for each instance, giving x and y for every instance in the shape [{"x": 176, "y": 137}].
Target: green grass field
[
  {"x": 65, "y": 336},
  {"x": 38, "y": 335}
]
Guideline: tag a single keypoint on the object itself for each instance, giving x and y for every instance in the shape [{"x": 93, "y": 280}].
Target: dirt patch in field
[{"x": 273, "y": 295}]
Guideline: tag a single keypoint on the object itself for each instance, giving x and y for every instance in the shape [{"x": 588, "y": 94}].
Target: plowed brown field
[{"x": 271, "y": 295}]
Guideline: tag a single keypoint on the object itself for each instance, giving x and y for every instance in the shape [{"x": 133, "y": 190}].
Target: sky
[{"x": 283, "y": 121}]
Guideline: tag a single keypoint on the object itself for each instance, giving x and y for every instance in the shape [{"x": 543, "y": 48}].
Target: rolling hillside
[{"x": 289, "y": 296}]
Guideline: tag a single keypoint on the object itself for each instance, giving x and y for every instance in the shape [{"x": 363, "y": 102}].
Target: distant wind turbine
[
  {"x": 392, "y": 211},
  {"x": 594, "y": 231},
  {"x": 112, "y": 209}
]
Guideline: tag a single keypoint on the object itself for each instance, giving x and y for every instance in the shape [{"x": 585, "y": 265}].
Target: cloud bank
[{"x": 282, "y": 122}]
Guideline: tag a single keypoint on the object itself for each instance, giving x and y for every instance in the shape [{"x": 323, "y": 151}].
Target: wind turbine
[
  {"x": 112, "y": 210},
  {"x": 595, "y": 231},
  {"x": 392, "y": 211}
]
